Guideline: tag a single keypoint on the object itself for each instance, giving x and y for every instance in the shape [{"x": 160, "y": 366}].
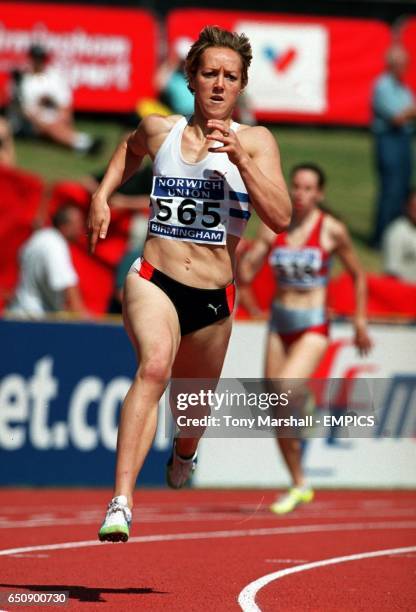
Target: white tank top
[{"x": 198, "y": 202}]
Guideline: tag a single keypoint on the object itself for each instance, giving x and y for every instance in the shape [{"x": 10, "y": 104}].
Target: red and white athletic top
[{"x": 302, "y": 267}]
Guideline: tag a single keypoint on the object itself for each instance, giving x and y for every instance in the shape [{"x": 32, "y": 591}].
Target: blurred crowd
[{"x": 40, "y": 107}]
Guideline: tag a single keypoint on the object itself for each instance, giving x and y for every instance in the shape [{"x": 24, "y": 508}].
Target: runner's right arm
[{"x": 123, "y": 164}]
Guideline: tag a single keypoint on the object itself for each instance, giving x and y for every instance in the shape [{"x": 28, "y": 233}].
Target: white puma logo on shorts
[{"x": 215, "y": 308}]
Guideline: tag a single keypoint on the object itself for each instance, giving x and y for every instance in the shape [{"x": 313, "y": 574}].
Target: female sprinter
[
  {"x": 179, "y": 297},
  {"x": 298, "y": 326}
]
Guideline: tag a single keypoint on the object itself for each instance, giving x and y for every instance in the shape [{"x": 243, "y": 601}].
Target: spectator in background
[
  {"x": 7, "y": 152},
  {"x": 399, "y": 244},
  {"x": 48, "y": 280},
  {"x": 171, "y": 81},
  {"x": 394, "y": 110},
  {"x": 41, "y": 105}
]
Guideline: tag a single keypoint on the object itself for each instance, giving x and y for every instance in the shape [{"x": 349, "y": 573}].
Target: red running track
[{"x": 208, "y": 551}]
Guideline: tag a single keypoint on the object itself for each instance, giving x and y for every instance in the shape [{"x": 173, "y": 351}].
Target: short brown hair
[
  {"x": 312, "y": 167},
  {"x": 214, "y": 36}
]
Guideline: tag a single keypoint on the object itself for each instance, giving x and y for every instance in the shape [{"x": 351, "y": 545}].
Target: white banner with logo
[
  {"x": 347, "y": 462},
  {"x": 289, "y": 69}
]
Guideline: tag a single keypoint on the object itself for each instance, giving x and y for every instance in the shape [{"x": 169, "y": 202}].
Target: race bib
[
  {"x": 297, "y": 266},
  {"x": 189, "y": 209}
]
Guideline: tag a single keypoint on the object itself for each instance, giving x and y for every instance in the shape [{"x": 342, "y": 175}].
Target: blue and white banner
[
  {"x": 61, "y": 389},
  {"x": 62, "y": 385}
]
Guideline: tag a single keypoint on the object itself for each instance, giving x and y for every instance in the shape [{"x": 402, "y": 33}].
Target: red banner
[
  {"x": 409, "y": 41},
  {"x": 107, "y": 55},
  {"x": 304, "y": 69}
]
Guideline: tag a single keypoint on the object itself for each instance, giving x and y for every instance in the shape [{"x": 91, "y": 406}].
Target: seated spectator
[
  {"x": 399, "y": 244},
  {"x": 7, "y": 152},
  {"x": 41, "y": 105},
  {"x": 48, "y": 281}
]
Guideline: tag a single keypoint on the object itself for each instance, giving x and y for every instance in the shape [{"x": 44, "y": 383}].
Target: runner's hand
[
  {"x": 221, "y": 132},
  {"x": 361, "y": 339},
  {"x": 98, "y": 221}
]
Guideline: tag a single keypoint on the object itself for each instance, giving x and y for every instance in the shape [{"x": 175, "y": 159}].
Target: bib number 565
[{"x": 187, "y": 212}]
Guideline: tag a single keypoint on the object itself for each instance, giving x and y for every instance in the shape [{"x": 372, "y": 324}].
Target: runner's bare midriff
[
  {"x": 203, "y": 266},
  {"x": 302, "y": 298}
]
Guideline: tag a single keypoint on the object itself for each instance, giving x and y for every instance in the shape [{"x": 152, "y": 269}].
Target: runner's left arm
[{"x": 345, "y": 251}]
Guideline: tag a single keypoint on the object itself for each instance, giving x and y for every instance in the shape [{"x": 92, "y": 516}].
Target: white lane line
[
  {"x": 247, "y": 597},
  {"x": 207, "y": 535}
]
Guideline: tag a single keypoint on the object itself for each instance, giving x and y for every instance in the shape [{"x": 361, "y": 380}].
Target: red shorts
[{"x": 291, "y": 337}]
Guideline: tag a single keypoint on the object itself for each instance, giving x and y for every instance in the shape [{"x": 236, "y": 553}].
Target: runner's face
[
  {"x": 305, "y": 191},
  {"x": 217, "y": 82}
]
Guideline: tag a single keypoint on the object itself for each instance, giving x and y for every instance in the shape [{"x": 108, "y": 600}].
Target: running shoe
[
  {"x": 295, "y": 496},
  {"x": 116, "y": 525},
  {"x": 179, "y": 470}
]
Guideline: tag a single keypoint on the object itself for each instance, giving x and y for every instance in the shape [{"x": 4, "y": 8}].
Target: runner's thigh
[
  {"x": 202, "y": 353},
  {"x": 275, "y": 356},
  {"x": 304, "y": 356},
  {"x": 150, "y": 319},
  {"x": 200, "y": 358}
]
